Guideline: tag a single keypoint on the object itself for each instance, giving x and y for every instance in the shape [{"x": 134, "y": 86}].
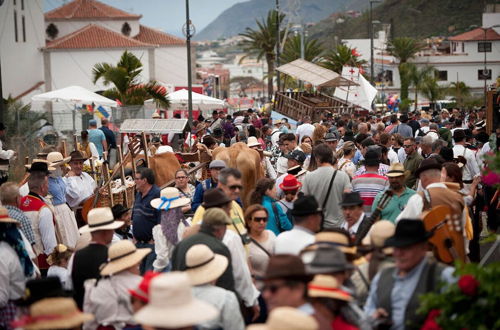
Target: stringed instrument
[
  {"x": 367, "y": 223},
  {"x": 448, "y": 239}
]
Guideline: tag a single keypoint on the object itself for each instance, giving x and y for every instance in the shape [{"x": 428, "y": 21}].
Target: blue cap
[{"x": 92, "y": 122}]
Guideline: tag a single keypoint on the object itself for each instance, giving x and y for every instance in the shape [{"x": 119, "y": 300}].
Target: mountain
[
  {"x": 409, "y": 18},
  {"x": 235, "y": 19}
]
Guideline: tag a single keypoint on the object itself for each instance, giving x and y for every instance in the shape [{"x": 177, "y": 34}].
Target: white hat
[
  {"x": 380, "y": 231},
  {"x": 287, "y": 318},
  {"x": 327, "y": 286},
  {"x": 203, "y": 265},
  {"x": 100, "y": 218},
  {"x": 56, "y": 158},
  {"x": 253, "y": 142},
  {"x": 169, "y": 199},
  {"x": 172, "y": 305},
  {"x": 122, "y": 255}
]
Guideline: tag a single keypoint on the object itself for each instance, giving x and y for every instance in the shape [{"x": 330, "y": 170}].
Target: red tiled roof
[
  {"x": 156, "y": 37},
  {"x": 79, "y": 9},
  {"x": 95, "y": 36},
  {"x": 477, "y": 35}
]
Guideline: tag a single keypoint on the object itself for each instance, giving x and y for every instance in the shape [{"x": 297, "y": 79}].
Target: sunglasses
[
  {"x": 260, "y": 219},
  {"x": 234, "y": 187},
  {"x": 273, "y": 288}
]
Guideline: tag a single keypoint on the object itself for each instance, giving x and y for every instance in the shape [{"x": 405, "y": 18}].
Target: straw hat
[
  {"x": 326, "y": 286},
  {"x": 4, "y": 216},
  {"x": 100, "y": 218},
  {"x": 337, "y": 239},
  {"x": 395, "y": 170},
  {"x": 41, "y": 165},
  {"x": 287, "y": 318},
  {"x": 379, "y": 233},
  {"x": 169, "y": 199},
  {"x": 56, "y": 158},
  {"x": 172, "y": 305},
  {"x": 203, "y": 265},
  {"x": 122, "y": 255},
  {"x": 253, "y": 142},
  {"x": 53, "y": 313}
]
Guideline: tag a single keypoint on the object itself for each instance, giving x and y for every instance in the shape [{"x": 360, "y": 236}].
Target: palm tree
[
  {"x": 127, "y": 87},
  {"x": 432, "y": 90},
  {"x": 404, "y": 49},
  {"x": 339, "y": 57},
  {"x": 262, "y": 43},
  {"x": 291, "y": 51},
  {"x": 460, "y": 92},
  {"x": 417, "y": 77}
]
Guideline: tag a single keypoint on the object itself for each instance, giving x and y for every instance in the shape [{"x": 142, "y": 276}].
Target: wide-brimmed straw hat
[
  {"x": 379, "y": 233},
  {"x": 253, "y": 142},
  {"x": 327, "y": 286},
  {"x": 100, "y": 218},
  {"x": 287, "y": 318},
  {"x": 395, "y": 170},
  {"x": 53, "y": 313},
  {"x": 56, "y": 158},
  {"x": 4, "y": 216},
  {"x": 169, "y": 199},
  {"x": 40, "y": 165},
  {"x": 336, "y": 239},
  {"x": 203, "y": 265},
  {"x": 172, "y": 305},
  {"x": 122, "y": 255}
]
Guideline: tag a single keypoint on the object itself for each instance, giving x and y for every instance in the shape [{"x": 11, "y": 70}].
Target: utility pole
[
  {"x": 2, "y": 107},
  {"x": 190, "y": 83},
  {"x": 278, "y": 41},
  {"x": 370, "y": 30}
]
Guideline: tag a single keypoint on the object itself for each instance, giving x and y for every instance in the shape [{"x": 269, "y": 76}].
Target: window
[
  {"x": 52, "y": 31},
  {"x": 24, "y": 28},
  {"x": 442, "y": 75},
  {"x": 483, "y": 74},
  {"x": 484, "y": 47},
  {"x": 15, "y": 26}
]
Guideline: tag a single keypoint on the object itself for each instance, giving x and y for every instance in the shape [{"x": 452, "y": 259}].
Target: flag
[
  {"x": 101, "y": 112},
  {"x": 90, "y": 109}
]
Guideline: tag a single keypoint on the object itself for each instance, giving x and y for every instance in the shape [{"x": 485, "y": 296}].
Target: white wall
[
  {"x": 22, "y": 65},
  {"x": 171, "y": 65},
  {"x": 74, "y": 67},
  {"x": 67, "y": 27}
]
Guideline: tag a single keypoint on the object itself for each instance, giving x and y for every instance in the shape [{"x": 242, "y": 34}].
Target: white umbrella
[
  {"x": 75, "y": 94},
  {"x": 179, "y": 100}
]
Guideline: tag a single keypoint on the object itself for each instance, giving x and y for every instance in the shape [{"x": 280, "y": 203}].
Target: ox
[
  {"x": 164, "y": 166},
  {"x": 247, "y": 160}
]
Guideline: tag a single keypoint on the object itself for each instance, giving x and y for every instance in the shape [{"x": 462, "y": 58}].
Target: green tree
[
  {"x": 460, "y": 92},
  {"x": 417, "y": 77},
  {"x": 291, "y": 51},
  {"x": 404, "y": 49},
  {"x": 261, "y": 42},
  {"x": 432, "y": 90},
  {"x": 340, "y": 56},
  {"x": 127, "y": 87}
]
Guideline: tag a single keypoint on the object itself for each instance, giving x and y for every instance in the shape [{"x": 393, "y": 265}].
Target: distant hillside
[
  {"x": 235, "y": 19},
  {"x": 411, "y": 18}
]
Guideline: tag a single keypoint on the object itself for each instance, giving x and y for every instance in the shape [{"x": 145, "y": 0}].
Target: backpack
[{"x": 288, "y": 212}]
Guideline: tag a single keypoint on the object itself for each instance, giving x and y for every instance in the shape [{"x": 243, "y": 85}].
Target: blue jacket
[
  {"x": 272, "y": 223},
  {"x": 198, "y": 193}
]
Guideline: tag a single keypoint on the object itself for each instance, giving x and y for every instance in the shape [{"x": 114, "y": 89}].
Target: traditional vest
[
  {"x": 31, "y": 205},
  {"x": 428, "y": 282},
  {"x": 443, "y": 196}
]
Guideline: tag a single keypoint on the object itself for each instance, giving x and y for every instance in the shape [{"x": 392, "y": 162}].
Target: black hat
[
  {"x": 351, "y": 199},
  {"x": 348, "y": 136},
  {"x": 2, "y": 127},
  {"x": 297, "y": 155},
  {"x": 215, "y": 112},
  {"x": 459, "y": 134},
  {"x": 214, "y": 198},
  {"x": 331, "y": 137},
  {"x": 408, "y": 232},
  {"x": 40, "y": 165},
  {"x": 482, "y": 137},
  {"x": 403, "y": 118},
  {"x": 41, "y": 288},
  {"x": 372, "y": 157},
  {"x": 217, "y": 132},
  {"x": 328, "y": 259},
  {"x": 305, "y": 205},
  {"x": 118, "y": 210},
  {"x": 428, "y": 164}
]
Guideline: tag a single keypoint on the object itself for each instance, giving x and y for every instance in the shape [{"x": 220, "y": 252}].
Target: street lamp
[
  {"x": 371, "y": 38},
  {"x": 278, "y": 41},
  {"x": 189, "y": 31}
]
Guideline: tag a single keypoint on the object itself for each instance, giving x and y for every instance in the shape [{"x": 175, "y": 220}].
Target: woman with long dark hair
[{"x": 265, "y": 194}]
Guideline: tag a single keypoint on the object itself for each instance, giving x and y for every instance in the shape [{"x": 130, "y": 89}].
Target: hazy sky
[{"x": 167, "y": 15}]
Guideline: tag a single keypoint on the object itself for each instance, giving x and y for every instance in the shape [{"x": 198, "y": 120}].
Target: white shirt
[
  {"x": 61, "y": 272},
  {"x": 471, "y": 169},
  {"x": 275, "y": 136},
  {"x": 354, "y": 229},
  {"x": 225, "y": 302},
  {"x": 293, "y": 241},
  {"x": 243, "y": 283},
  {"x": 423, "y": 129},
  {"x": 306, "y": 129},
  {"x": 401, "y": 155},
  {"x": 12, "y": 278},
  {"x": 5, "y": 154},
  {"x": 480, "y": 154},
  {"x": 392, "y": 156},
  {"x": 79, "y": 188},
  {"x": 47, "y": 230}
]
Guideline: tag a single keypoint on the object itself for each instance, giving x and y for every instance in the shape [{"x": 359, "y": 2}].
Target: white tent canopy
[
  {"x": 314, "y": 74},
  {"x": 74, "y": 94},
  {"x": 362, "y": 94},
  {"x": 179, "y": 100}
]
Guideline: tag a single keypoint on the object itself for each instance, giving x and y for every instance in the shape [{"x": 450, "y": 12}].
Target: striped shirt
[
  {"x": 368, "y": 185},
  {"x": 16, "y": 214}
]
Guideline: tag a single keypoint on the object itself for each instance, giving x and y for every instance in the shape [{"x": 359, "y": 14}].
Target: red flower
[
  {"x": 430, "y": 323},
  {"x": 468, "y": 285}
]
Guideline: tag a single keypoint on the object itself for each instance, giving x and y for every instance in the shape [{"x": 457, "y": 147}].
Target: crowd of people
[{"x": 331, "y": 237}]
